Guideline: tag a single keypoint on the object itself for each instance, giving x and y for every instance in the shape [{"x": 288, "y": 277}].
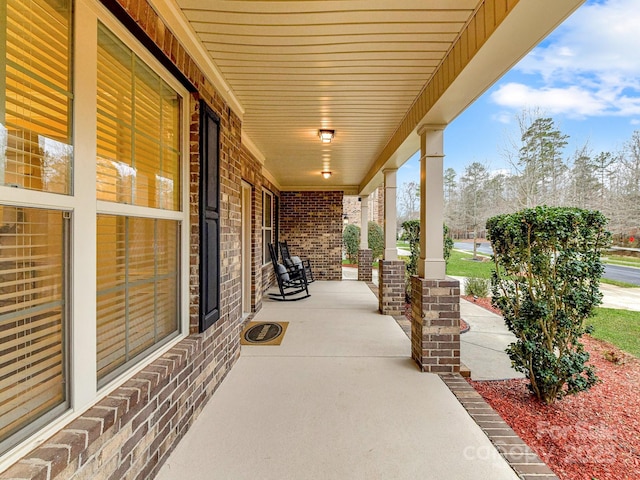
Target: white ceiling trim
[
  {"x": 247, "y": 142},
  {"x": 172, "y": 16},
  {"x": 267, "y": 174}
]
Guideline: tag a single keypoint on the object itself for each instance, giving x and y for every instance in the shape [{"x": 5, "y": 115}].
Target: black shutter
[{"x": 209, "y": 218}]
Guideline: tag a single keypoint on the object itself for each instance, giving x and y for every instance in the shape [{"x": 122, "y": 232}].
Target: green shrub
[
  {"x": 411, "y": 233},
  {"x": 448, "y": 243},
  {"x": 376, "y": 240},
  {"x": 351, "y": 241},
  {"x": 546, "y": 283},
  {"x": 478, "y": 287}
]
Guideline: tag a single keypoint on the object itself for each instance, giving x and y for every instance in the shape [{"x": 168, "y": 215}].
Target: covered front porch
[
  {"x": 198, "y": 133},
  {"x": 339, "y": 398}
]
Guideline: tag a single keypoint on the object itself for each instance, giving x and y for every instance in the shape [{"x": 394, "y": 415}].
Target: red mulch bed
[
  {"x": 483, "y": 302},
  {"x": 592, "y": 435}
]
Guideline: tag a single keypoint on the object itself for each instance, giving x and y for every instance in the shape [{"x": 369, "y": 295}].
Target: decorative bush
[
  {"x": 351, "y": 241},
  {"x": 412, "y": 235},
  {"x": 376, "y": 240},
  {"x": 478, "y": 287},
  {"x": 546, "y": 283},
  {"x": 448, "y": 243}
]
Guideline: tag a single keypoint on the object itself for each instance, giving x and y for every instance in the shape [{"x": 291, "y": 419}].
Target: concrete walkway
[
  {"x": 482, "y": 348},
  {"x": 618, "y": 297},
  {"x": 339, "y": 399}
]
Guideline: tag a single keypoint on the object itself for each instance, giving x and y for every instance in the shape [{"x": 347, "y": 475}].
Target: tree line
[{"x": 541, "y": 173}]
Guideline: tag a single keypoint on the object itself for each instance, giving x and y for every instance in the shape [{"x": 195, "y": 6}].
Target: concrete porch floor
[{"x": 340, "y": 398}]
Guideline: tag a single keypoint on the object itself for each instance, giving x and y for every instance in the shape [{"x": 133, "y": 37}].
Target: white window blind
[
  {"x": 138, "y": 130},
  {"x": 267, "y": 225},
  {"x": 137, "y": 288},
  {"x": 32, "y": 315},
  {"x": 35, "y": 108}
]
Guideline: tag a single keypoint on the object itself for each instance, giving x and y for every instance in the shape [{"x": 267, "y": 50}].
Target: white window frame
[
  {"x": 82, "y": 203},
  {"x": 267, "y": 194}
]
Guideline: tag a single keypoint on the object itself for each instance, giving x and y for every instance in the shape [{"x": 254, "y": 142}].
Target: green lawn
[
  {"x": 619, "y": 327},
  {"x": 401, "y": 244},
  {"x": 618, "y": 283},
  {"x": 622, "y": 260},
  {"x": 461, "y": 265}
]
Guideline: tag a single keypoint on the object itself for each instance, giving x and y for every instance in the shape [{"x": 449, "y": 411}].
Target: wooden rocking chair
[
  {"x": 292, "y": 281},
  {"x": 291, "y": 261}
]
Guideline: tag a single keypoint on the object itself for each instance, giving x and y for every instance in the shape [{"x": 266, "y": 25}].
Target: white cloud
[
  {"x": 589, "y": 66},
  {"x": 503, "y": 117},
  {"x": 599, "y": 38},
  {"x": 573, "y": 100}
]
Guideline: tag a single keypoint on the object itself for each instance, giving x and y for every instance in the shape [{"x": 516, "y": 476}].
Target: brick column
[
  {"x": 365, "y": 259},
  {"x": 391, "y": 287},
  {"x": 435, "y": 327}
]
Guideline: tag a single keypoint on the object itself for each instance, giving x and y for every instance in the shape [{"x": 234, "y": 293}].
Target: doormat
[{"x": 263, "y": 333}]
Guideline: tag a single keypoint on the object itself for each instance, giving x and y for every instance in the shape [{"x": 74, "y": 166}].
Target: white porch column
[
  {"x": 390, "y": 215},
  {"x": 431, "y": 264},
  {"x": 364, "y": 222}
]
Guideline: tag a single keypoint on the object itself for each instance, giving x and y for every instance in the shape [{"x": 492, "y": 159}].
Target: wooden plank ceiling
[{"x": 353, "y": 66}]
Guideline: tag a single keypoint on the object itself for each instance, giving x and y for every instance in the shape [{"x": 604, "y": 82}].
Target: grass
[
  {"x": 622, "y": 260},
  {"x": 619, "y": 327},
  {"x": 461, "y": 265},
  {"x": 618, "y": 283},
  {"x": 347, "y": 263},
  {"x": 404, "y": 245}
]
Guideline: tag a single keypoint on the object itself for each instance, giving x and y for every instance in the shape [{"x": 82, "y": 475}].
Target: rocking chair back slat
[
  {"x": 290, "y": 261},
  {"x": 292, "y": 281}
]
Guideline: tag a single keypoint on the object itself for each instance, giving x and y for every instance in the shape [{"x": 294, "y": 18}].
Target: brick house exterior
[
  {"x": 132, "y": 429},
  {"x": 351, "y": 208},
  {"x": 125, "y": 425},
  {"x": 311, "y": 223}
]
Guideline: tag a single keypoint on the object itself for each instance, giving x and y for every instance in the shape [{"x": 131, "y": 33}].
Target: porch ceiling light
[
  {"x": 326, "y": 174},
  {"x": 326, "y": 135}
]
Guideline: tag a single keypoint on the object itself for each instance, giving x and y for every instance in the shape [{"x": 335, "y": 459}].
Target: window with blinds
[
  {"x": 138, "y": 136},
  {"x": 32, "y": 318},
  {"x": 35, "y": 95},
  {"x": 137, "y": 298},
  {"x": 267, "y": 225}
]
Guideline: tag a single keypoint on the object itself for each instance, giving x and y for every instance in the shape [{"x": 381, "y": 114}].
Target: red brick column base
[
  {"x": 391, "y": 287},
  {"x": 435, "y": 327},
  {"x": 365, "y": 259}
]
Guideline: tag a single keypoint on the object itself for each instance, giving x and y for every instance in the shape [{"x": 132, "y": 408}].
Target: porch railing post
[
  {"x": 435, "y": 299},
  {"x": 391, "y": 270},
  {"x": 365, "y": 257}
]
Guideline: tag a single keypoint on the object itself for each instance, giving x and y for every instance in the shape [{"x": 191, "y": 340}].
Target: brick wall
[
  {"x": 377, "y": 205},
  {"x": 311, "y": 223},
  {"x": 391, "y": 289},
  {"x": 352, "y": 209},
  {"x": 435, "y": 328},
  {"x": 365, "y": 260},
  {"x": 130, "y": 432}
]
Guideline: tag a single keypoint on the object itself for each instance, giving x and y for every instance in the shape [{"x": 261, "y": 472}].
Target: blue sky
[{"x": 586, "y": 75}]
